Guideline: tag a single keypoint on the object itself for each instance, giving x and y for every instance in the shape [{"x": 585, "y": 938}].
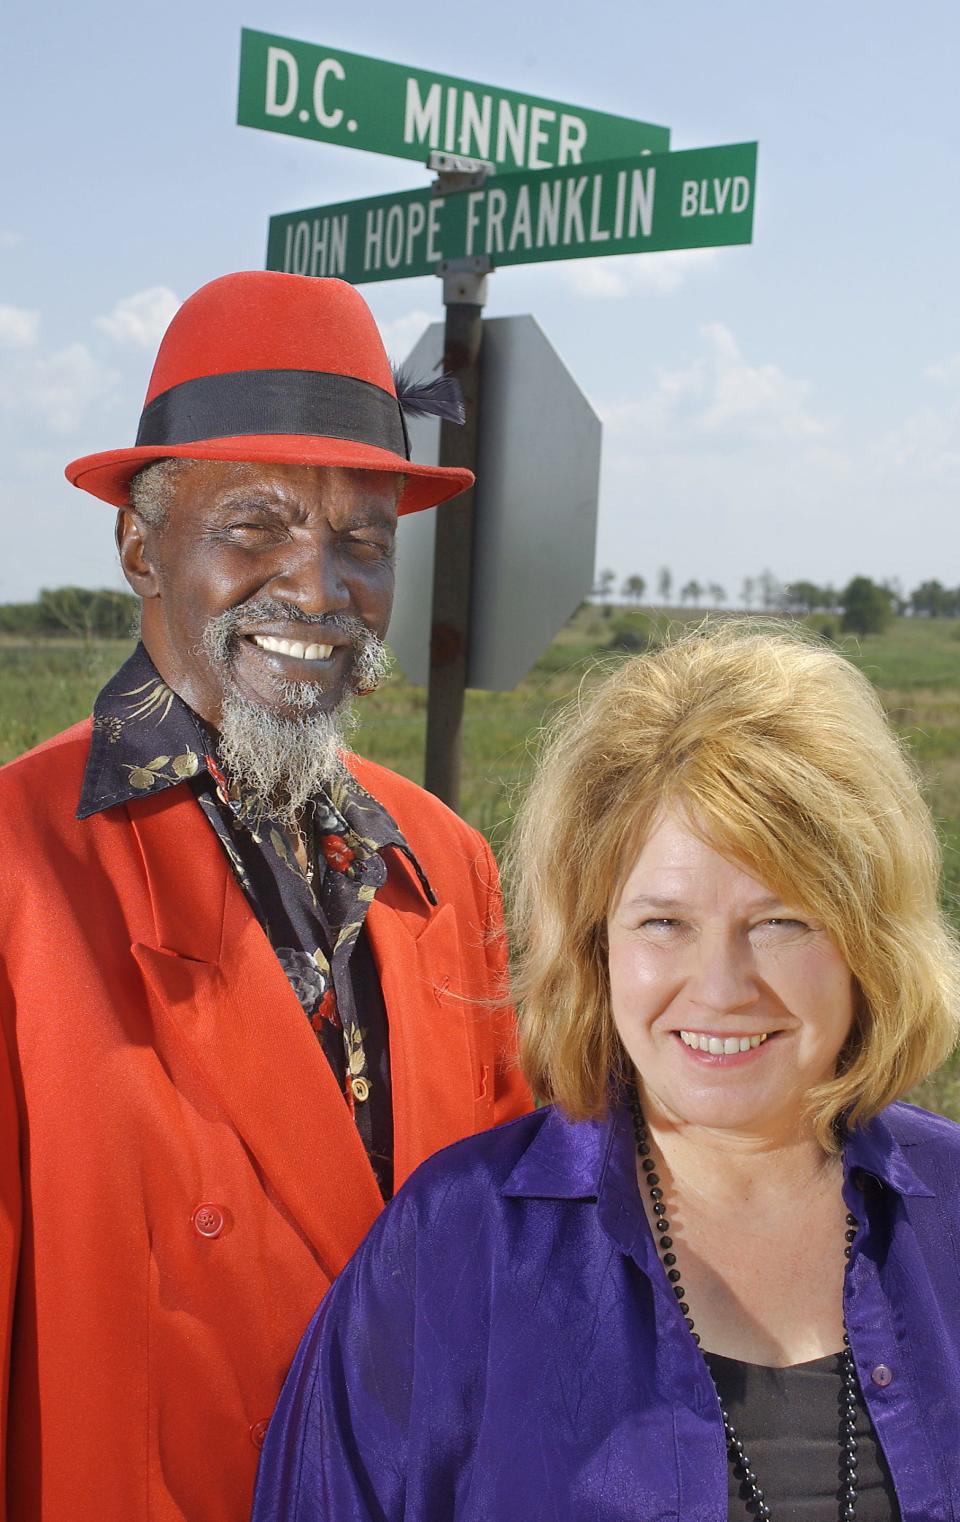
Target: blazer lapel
[
  {"x": 432, "y": 1062},
  {"x": 222, "y": 994}
]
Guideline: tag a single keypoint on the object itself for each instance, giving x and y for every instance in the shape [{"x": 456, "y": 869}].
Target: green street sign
[
  {"x": 698, "y": 198},
  {"x": 331, "y": 96}
]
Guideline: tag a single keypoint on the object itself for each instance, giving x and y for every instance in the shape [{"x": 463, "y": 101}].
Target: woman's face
[{"x": 731, "y": 1003}]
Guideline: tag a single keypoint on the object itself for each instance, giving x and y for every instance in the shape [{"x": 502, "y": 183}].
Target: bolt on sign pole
[{"x": 464, "y": 295}]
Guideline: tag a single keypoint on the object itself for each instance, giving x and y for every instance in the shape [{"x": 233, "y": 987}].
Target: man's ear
[{"x": 135, "y": 543}]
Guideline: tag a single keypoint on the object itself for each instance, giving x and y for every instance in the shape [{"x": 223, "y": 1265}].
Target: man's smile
[{"x": 296, "y": 649}]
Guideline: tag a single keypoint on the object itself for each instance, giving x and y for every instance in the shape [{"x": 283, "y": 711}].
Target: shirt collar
[
  {"x": 146, "y": 739},
  {"x": 874, "y": 1148},
  {"x": 586, "y": 1160},
  {"x": 564, "y": 1161},
  {"x": 595, "y": 1160}
]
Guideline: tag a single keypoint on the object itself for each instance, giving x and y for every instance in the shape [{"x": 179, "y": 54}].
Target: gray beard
[{"x": 278, "y": 760}]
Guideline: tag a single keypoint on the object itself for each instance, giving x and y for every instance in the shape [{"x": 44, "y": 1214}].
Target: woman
[{"x": 720, "y": 1274}]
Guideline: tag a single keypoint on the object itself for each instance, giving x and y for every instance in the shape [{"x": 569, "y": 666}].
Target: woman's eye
[{"x": 780, "y": 924}]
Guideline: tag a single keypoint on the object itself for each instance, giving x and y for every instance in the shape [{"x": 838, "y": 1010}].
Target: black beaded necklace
[{"x": 742, "y": 1467}]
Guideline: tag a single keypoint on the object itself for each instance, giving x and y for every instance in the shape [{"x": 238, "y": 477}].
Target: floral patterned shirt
[{"x": 145, "y": 739}]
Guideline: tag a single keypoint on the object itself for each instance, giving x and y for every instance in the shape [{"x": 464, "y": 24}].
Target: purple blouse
[{"x": 505, "y": 1345}]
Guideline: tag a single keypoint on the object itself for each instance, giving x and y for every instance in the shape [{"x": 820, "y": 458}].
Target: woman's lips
[
  {"x": 720, "y": 1046},
  {"x": 713, "y": 1049}
]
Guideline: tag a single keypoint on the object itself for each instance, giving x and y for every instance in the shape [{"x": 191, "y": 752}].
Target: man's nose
[
  {"x": 723, "y": 978},
  {"x": 311, "y": 578}
]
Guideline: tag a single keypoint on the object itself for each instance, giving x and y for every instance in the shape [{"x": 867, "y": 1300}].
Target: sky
[{"x": 793, "y": 405}]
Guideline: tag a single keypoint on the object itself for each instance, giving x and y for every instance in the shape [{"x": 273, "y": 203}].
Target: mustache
[
  {"x": 223, "y": 629},
  {"x": 369, "y": 657}
]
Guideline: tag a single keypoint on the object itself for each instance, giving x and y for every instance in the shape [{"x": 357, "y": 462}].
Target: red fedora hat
[{"x": 287, "y": 369}]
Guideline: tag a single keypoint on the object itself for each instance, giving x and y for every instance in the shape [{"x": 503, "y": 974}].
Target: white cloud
[
  {"x": 724, "y": 464},
  {"x": 19, "y": 328},
  {"x": 719, "y": 400},
  {"x": 928, "y": 442},
  {"x": 36, "y": 462},
  {"x": 946, "y": 370},
  {"x": 399, "y": 334},
  {"x": 140, "y": 319},
  {"x": 60, "y": 388},
  {"x": 762, "y": 398},
  {"x": 622, "y": 274},
  {"x": 8, "y": 238}
]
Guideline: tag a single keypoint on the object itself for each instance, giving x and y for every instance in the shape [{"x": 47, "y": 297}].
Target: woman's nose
[{"x": 723, "y": 977}]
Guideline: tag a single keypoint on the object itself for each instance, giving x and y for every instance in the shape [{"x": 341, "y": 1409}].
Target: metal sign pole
[{"x": 464, "y": 295}]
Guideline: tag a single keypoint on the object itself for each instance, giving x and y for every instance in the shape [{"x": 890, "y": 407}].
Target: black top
[
  {"x": 146, "y": 739},
  {"x": 789, "y": 1423}
]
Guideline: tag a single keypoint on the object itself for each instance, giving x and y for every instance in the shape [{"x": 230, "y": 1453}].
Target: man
[{"x": 246, "y": 987}]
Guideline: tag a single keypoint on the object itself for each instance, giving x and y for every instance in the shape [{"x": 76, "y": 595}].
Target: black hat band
[{"x": 243, "y": 402}]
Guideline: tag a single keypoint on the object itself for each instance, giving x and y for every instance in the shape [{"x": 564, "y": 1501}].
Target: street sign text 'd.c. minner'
[{"x": 326, "y": 94}]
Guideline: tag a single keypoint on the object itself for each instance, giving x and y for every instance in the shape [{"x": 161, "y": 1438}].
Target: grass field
[{"x": 47, "y": 685}]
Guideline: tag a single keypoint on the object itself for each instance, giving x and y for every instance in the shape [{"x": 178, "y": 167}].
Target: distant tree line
[
  {"x": 933, "y": 600},
  {"x": 863, "y": 606},
  {"x": 82, "y": 612}
]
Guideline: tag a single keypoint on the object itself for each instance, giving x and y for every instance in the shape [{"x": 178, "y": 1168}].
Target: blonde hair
[{"x": 779, "y": 752}]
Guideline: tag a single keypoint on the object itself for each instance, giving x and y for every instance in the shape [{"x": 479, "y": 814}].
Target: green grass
[
  {"x": 913, "y": 653},
  {"x": 47, "y": 685}
]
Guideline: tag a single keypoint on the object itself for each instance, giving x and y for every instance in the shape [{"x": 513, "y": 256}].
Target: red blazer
[{"x": 179, "y": 1176}]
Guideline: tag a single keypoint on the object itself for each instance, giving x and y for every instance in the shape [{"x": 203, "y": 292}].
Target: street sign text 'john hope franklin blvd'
[
  {"x": 692, "y": 199},
  {"x": 307, "y": 90}
]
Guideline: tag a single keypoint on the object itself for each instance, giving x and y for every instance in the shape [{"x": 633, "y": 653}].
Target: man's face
[{"x": 247, "y": 553}]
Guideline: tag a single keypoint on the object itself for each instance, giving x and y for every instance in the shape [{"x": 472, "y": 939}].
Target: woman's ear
[{"x": 134, "y": 543}]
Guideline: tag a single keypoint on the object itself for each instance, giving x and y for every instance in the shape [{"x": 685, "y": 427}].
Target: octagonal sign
[{"x": 535, "y": 525}]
